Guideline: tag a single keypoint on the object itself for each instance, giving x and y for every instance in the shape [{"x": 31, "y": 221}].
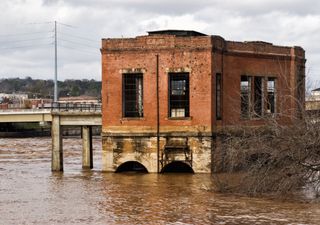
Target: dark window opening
[
  {"x": 271, "y": 95},
  {"x": 177, "y": 167},
  {"x": 218, "y": 96},
  {"x": 179, "y": 95},
  {"x": 261, "y": 100},
  {"x": 258, "y": 96},
  {"x": 131, "y": 166},
  {"x": 132, "y": 95},
  {"x": 245, "y": 88}
]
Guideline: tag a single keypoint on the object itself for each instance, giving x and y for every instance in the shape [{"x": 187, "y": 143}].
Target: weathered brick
[{"x": 203, "y": 57}]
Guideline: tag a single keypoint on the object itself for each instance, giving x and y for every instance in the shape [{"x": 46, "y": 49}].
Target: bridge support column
[
  {"x": 57, "y": 147},
  {"x": 87, "y": 160}
]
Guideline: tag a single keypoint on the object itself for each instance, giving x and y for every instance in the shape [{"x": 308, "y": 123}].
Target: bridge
[
  {"x": 61, "y": 114},
  {"x": 25, "y": 115}
]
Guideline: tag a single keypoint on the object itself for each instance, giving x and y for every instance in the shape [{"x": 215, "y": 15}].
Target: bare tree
[
  {"x": 270, "y": 159},
  {"x": 274, "y": 158}
]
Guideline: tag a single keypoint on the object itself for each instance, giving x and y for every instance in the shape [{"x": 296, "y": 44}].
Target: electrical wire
[
  {"x": 78, "y": 43},
  {"x": 23, "y": 34},
  {"x": 25, "y": 46},
  {"x": 67, "y": 25},
  {"x": 78, "y": 50},
  {"x": 26, "y": 40},
  {"x": 36, "y": 23},
  {"x": 79, "y": 37},
  {"x": 82, "y": 34},
  {"x": 79, "y": 40}
]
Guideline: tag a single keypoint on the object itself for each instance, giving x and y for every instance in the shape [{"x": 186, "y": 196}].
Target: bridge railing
[
  {"x": 19, "y": 111},
  {"x": 75, "y": 107}
]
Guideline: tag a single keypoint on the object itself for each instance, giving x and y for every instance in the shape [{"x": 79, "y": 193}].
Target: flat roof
[{"x": 181, "y": 33}]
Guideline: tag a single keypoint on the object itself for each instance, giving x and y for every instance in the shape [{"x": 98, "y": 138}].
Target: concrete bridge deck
[
  {"x": 25, "y": 115},
  {"x": 70, "y": 114},
  {"x": 61, "y": 114}
]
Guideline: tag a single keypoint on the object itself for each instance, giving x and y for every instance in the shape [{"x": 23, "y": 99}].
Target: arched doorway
[
  {"x": 132, "y": 166},
  {"x": 177, "y": 167}
]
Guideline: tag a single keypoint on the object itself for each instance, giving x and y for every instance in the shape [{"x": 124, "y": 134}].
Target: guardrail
[
  {"x": 15, "y": 111},
  {"x": 57, "y": 107},
  {"x": 75, "y": 107}
]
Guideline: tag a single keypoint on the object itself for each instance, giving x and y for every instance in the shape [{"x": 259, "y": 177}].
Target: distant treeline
[{"x": 37, "y": 88}]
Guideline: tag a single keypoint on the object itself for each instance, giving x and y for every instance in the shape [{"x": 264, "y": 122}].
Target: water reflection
[{"x": 31, "y": 194}]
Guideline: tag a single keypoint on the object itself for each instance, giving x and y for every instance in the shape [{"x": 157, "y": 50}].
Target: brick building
[{"x": 166, "y": 95}]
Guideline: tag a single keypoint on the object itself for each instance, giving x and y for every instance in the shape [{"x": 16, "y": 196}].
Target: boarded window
[
  {"x": 245, "y": 88},
  {"x": 179, "y": 94},
  {"x": 218, "y": 96},
  {"x": 271, "y": 95},
  {"x": 132, "y": 95}
]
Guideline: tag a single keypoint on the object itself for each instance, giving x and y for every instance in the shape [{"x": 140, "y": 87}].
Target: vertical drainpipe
[
  {"x": 222, "y": 78},
  {"x": 158, "y": 115}
]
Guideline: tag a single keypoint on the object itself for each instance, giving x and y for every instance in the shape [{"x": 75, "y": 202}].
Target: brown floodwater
[{"x": 31, "y": 194}]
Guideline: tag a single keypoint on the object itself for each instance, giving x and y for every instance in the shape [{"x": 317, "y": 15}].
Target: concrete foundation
[{"x": 196, "y": 152}]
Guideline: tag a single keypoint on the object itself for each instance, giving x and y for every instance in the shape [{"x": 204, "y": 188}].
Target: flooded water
[{"x": 31, "y": 194}]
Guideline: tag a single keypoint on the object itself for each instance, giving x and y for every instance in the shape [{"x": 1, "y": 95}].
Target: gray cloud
[{"x": 286, "y": 22}]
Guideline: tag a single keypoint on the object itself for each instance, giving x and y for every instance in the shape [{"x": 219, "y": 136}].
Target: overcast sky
[{"x": 26, "y": 29}]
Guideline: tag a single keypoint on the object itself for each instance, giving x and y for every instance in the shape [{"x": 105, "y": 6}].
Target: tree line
[{"x": 38, "y": 88}]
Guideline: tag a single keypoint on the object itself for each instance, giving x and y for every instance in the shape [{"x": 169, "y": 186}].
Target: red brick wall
[
  {"x": 192, "y": 55},
  {"x": 203, "y": 57}
]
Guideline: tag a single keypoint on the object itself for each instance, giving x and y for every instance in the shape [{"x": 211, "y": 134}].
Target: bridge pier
[
  {"x": 57, "y": 147},
  {"x": 87, "y": 159},
  {"x": 61, "y": 114}
]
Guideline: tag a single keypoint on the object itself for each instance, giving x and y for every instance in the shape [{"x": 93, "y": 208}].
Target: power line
[
  {"x": 25, "y": 40},
  {"x": 36, "y": 23},
  {"x": 67, "y": 25},
  {"x": 78, "y": 43},
  {"x": 78, "y": 50},
  {"x": 75, "y": 36},
  {"x": 74, "y": 28},
  {"x": 30, "y": 23},
  {"x": 26, "y": 46},
  {"x": 23, "y": 34}
]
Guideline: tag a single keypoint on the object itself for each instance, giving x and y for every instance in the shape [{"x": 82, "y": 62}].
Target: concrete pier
[
  {"x": 84, "y": 119},
  {"x": 57, "y": 147},
  {"x": 87, "y": 160},
  {"x": 62, "y": 114}
]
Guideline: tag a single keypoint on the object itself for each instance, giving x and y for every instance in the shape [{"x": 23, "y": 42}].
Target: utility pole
[{"x": 55, "y": 64}]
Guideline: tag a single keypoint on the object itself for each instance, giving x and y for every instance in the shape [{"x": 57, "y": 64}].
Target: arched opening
[
  {"x": 132, "y": 166},
  {"x": 177, "y": 167}
]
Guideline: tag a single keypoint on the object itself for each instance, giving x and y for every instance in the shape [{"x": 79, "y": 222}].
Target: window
[
  {"x": 245, "y": 87},
  {"x": 271, "y": 96},
  {"x": 132, "y": 90},
  {"x": 179, "y": 94},
  {"x": 258, "y": 96},
  {"x": 254, "y": 101},
  {"x": 218, "y": 96}
]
